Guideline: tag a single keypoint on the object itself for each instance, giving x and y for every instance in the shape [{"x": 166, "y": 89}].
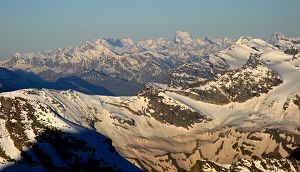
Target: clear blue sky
[{"x": 27, "y": 25}]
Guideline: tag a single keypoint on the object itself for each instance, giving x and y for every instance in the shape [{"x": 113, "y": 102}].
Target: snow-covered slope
[
  {"x": 230, "y": 58},
  {"x": 34, "y": 137},
  {"x": 237, "y": 54}
]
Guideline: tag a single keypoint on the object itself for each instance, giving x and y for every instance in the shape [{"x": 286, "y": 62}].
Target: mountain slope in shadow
[
  {"x": 61, "y": 151},
  {"x": 15, "y": 80}
]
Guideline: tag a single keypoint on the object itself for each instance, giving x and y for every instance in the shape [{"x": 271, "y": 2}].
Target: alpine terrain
[
  {"x": 183, "y": 105},
  {"x": 108, "y": 62}
]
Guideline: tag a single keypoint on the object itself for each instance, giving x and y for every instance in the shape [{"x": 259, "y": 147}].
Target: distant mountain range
[
  {"x": 195, "y": 104},
  {"x": 108, "y": 62}
]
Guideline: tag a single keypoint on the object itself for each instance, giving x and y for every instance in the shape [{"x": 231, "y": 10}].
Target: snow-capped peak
[
  {"x": 242, "y": 40},
  {"x": 29, "y": 55},
  {"x": 127, "y": 41},
  {"x": 209, "y": 40},
  {"x": 277, "y": 36},
  {"x": 182, "y": 37},
  {"x": 283, "y": 42},
  {"x": 115, "y": 42}
]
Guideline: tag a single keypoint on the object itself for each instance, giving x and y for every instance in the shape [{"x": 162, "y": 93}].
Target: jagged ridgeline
[
  {"x": 101, "y": 66},
  {"x": 211, "y": 105}
]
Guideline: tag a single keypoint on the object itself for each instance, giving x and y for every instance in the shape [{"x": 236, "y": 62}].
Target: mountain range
[
  {"x": 107, "y": 62},
  {"x": 164, "y": 105}
]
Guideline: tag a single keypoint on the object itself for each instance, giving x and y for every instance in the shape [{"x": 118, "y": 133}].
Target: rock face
[
  {"x": 189, "y": 74},
  {"x": 240, "y": 85},
  {"x": 167, "y": 110},
  {"x": 292, "y": 51},
  {"x": 250, "y": 165}
]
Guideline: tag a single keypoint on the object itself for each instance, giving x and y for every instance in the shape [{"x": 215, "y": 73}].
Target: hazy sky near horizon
[{"x": 27, "y": 25}]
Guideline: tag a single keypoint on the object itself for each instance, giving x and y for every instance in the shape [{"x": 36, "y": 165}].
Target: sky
[{"x": 36, "y": 25}]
